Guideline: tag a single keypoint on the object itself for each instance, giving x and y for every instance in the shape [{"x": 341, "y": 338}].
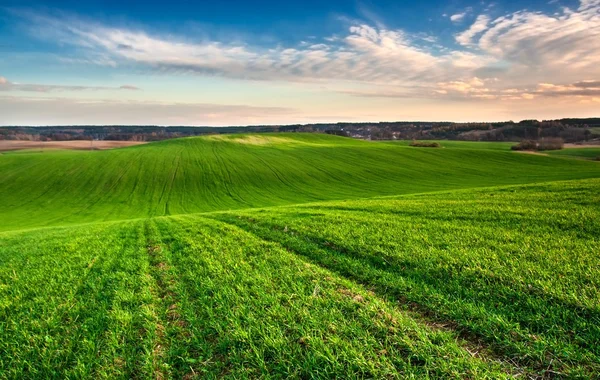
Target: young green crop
[
  {"x": 75, "y": 303},
  {"x": 177, "y": 297},
  {"x": 234, "y": 172},
  {"x": 585, "y": 153},
  {"x": 514, "y": 267},
  {"x": 478, "y": 283}
]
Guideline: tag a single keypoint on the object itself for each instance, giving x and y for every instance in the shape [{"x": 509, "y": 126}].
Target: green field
[
  {"x": 235, "y": 172},
  {"x": 584, "y": 153},
  {"x": 303, "y": 256}
]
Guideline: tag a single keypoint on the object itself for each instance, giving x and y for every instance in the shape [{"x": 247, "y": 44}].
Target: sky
[{"x": 214, "y": 63}]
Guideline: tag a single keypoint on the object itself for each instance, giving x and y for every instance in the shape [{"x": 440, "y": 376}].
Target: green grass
[
  {"x": 584, "y": 153},
  {"x": 235, "y": 172},
  {"x": 514, "y": 267},
  {"x": 255, "y": 256},
  {"x": 175, "y": 297}
]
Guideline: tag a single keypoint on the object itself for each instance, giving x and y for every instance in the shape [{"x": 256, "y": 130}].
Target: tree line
[{"x": 570, "y": 130}]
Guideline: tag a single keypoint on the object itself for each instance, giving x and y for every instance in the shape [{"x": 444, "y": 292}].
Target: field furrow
[
  {"x": 533, "y": 299},
  {"x": 73, "y": 303},
  {"x": 252, "y": 309}
]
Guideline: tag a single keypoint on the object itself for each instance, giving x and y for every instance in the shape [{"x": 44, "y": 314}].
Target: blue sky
[{"x": 272, "y": 62}]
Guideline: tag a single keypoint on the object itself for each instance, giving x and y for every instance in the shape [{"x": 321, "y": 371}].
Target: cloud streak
[{"x": 6, "y": 85}]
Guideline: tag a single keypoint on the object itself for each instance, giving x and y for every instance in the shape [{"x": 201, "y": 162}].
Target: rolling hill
[
  {"x": 226, "y": 172},
  {"x": 303, "y": 256}
]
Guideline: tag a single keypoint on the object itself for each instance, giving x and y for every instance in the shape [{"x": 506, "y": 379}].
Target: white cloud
[
  {"x": 588, "y": 4},
  {"x": 466, "y": 38},
  {"x": 537, "y": 47},
  {"x": 458, "y": 17},
  {"x": 488, "y": 89}
]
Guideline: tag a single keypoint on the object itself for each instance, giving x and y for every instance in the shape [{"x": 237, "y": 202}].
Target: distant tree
[
  {"x": 425, "y": 144},
  {"x": 337, "y": 133}
]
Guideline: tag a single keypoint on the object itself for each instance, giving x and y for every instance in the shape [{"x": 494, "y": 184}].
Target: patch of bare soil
[
  {"x": 531, "y": 152},
  {"x": 8, "y": 145}
]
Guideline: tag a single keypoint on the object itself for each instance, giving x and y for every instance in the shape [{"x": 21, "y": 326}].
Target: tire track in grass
[
  {"x": 510, "y": 334},
  {"x": 211, "y": 242},
  {"x": 168, "y": 323},
  {"x": 288, "y": 185},
  {"x": 80, "y": 300},
  {"x": 169, "y": 186},
  {"x": 468, "y": 341},
  {"x": 226, "y": 175}
]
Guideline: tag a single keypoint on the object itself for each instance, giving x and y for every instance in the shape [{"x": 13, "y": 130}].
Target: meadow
[
  {"x": 303, "y": 256},
  {"x": 227, "y": 172},
  {"x": 584, "y": 153}
]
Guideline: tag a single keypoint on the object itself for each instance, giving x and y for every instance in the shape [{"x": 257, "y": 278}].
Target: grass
[
  {"x": 176, "y": 297},
  {"x": 513, "y": 267},
  {"x": 201, "y": 258},
  {"x": 583, "y": 153},
  {"x": 227, "y": 172}
]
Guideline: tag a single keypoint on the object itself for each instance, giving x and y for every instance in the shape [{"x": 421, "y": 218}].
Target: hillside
[
  {"x": 229, "y": 172},
  {"x": 490, "y": 283}
]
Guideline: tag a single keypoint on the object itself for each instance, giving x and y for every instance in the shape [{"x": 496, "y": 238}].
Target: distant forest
[{"x": 570, "y": 130}]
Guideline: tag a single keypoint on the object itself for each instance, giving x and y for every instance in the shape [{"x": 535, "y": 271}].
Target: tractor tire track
[{"x": 475, "y": 345}]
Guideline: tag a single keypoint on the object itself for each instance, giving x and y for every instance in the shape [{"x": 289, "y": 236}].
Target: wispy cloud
[
  {"x": 6, "y": 85},
  {"x": 129, "y": 87},
  {"x": 458, "y": 17},
  {"x": 538, "y": 47},
  {"x": 466, "y": 37}
]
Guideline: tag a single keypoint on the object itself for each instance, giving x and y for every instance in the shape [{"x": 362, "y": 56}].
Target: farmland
[
  {"x": 215, "y": 173},
  {"x": 298, "y": 255},
  {"x": 584, "y": 153},
  {"x": 40, "y": 146}
]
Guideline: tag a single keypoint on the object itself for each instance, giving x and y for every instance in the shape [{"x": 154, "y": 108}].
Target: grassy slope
[
  {"x": 470, "y": 283},
  {"x": 585, "y": 153},
  {"x": 233, "y": 172}
]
